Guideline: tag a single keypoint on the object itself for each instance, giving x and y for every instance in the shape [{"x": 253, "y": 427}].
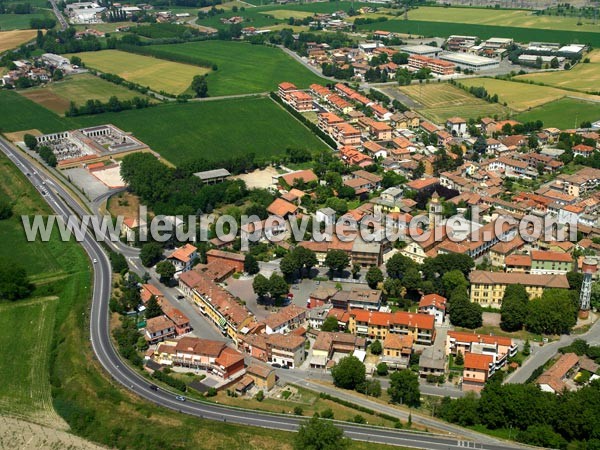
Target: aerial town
[{"x": 300, "y": 224}]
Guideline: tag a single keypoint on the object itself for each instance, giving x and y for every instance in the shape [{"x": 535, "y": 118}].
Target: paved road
[
  {"x": 540, "y": 355},
  {"x": 112, "y": 363},
  {"x": 59, "y": 16}
]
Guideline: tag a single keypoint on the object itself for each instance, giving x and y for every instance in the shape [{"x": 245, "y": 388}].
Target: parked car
[{"x": 276, "y": 365}]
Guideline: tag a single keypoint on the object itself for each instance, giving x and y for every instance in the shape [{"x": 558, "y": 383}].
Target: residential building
[
  {"x": 301, "y": 101},
  {"x": 499, "y": 347},
  {"x": 234, "y": 259},
  {"x": 550, "y": 262},
  {"x": 285, "y": 89},
  {"x": 397, "y": 349},
  {"x": 346, "y": 134},
  {"x": 487, "y": 288},
  {"x": 264, "y": 376},
  {"x": 478, "y": 368},
  {"x": 434, "y": 305},
  {"x": 330, "y": 346},
  {"x": 286, "y": 319},
  {"x": 457, "y": 126},
  {"x": 554, "y": 379},
  {"x": 183, "y": 257},
  {"x": 158, "y": 329},
  {"x": 377, "y": 325},
  {"x": 369, "y": 299}
]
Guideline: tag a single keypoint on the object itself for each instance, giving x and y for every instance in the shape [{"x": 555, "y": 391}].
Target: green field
[
  {"x": 245, "y": 68},
  {"x": 430, "y": 28},
  {"x": 213, "y": 129},
  {"x": 501, "y": 17},
  {"x": 158, "y": 74},
  {"x": 521, "y": 96},
  {"x": 563, "y": 113},
  {"x": 18, "y": 21},
  {"x": 582, "y": 77},
  {"x": 180, "y": 132},
  {"x": 441, "y": 100},
  {"x": 18, "y": 113},
  {"x": 57, "y": 96}
]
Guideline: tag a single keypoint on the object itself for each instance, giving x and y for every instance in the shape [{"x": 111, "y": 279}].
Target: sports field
[
  {"x": 57, "y": 96},
  {"x": 583, "y": 77},
  {"x": 442, "y": 100},
  {"x": 521, "y": 96},
  {"x": 563, "y": 113},
  {"x": 158, "y": 74},
  {"x": 213, "y": 129},
  {"x": 244, "y": 68},
  {"x": 501, "y": 17},
  {"x": 14, "y": 38}
]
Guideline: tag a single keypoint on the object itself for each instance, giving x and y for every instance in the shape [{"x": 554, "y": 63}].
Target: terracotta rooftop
[
  {"x": 548, "y": 281},
  {"x": 476, "y": 361}
]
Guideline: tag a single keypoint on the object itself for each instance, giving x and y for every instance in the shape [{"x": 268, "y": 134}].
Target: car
[
  {"x": 283, "y": 366},
  {"x": 180, "y": 398},
  {"x": 317, "y": 282},
  {"x": 28, "y": 174},
  {"x": 95, "y": 260},
  {"x": 180, "y": 297},
  {"x": 153, "y": 387},
  {"x": 276, "y": 365}
]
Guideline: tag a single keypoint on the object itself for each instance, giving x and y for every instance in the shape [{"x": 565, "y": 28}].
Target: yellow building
[
  {"x": 487, "y": 288},
  {"x": 264, "y": 376}
]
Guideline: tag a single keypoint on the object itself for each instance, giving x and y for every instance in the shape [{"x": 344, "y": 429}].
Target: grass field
[
  {"x": 214, "y": 129},
  {"x": 441, "y": 100},
  {"x": 180, "y": 132},
  {"x": 563, "y": 113},
  {"x": 284, "y": 14},
  {"x": 521, "y": 96},
  {"x": 18, "y": 113},
  {"x": 431, "y": 28},
  {"x": 18, "y": 21},
  {"x": 583, "y": 77},
  {"x": 245, "y": 68},
  {"x": 14, "y": 38},
  {"x": 57, "y": 96},
  {"x": 158, "y": 74},
  {"x": 502, "y": 17}
]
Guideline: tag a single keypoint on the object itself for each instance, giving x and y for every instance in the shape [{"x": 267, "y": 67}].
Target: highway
[{"x": 63, "y": 205}]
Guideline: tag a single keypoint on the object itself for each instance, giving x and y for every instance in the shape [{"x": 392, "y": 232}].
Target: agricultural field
[
  {"x": 582, "y": 77},
  {"x": 501, "y": 17},
  {"x": 520, "y": 96},
  {"x": 244, "y": 68},
  {"x": 283, "y": 14},
  {"x": 213, "y": 129},
  {"x": 18, "y": 113},
  {"x": 158, "y": 74},
  {"x": 56, "y": 96},
  {"x": 430, "y": 28},
  {"x": 439, "y": 101},
  {"x": 18, "y": 21},
  {"x": 563, "y": 113},
  {"x": 14, "y": 38}
]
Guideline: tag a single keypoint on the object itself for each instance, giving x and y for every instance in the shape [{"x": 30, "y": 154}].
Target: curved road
[{"x": 60, "y": 201}]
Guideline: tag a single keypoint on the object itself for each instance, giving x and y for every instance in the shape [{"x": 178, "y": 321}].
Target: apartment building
[
  {"x": 550, "y": 263},
  {"x": 346, "y": 134},
  {"x": 377, "y": 325}
]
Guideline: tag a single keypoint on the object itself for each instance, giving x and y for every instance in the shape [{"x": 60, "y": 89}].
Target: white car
[{"x": 95, "y": 260}]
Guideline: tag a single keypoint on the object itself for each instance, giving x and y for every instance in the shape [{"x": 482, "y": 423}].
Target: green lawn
[
  {"x": 57, "y": 96},
  {"x": 444, "y": 29},
  {"x": 563, "y": 113},
  {"x": 213, "y": 129},
  {"x": 245, "y": 68}
]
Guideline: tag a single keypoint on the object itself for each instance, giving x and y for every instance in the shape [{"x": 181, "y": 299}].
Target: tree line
[{"x": 113, "y": 104}]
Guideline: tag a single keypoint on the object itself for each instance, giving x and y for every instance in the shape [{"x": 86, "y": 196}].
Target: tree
[
  {"x": 526, "y": 348},
  {"x": 319, "y": 434},
  {"x": 14, "y": 284},
  {"x": 376, "y": 347},
  {"x": 330, "y": 324},
  {"x": 289, "y": 265},
  {"x": 153, "y": 308},
  {"x": 251, "y": 265},
  {"x": 452, "y": 280},
  {"x": 462, "y": 312},
  {"x": 374, "y": 277},
  {"x": 459, "y": 360},
  {"x": 337, "y": 260},
  {"x": 398, "y": 264},
  {"x": 260, "y": 285},
  {"x": 30, "y": 141},
  {"x": 382, "y": 369},
  {"x": 150, "y": 254},
  {"x": 277, "y": 286},
  {"x": 554, "y": 313},
  {"x": 514, "y": 307},
  {"x": 200, "y": 86},
  {"x": 404, "y": 388},
  {"x": 166, "y": 270},
  {"x": 348, "y": 373}
]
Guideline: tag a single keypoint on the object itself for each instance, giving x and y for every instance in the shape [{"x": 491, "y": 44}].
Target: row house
[
  {"x": 346, "y": 134},
  {"x": 377, "y": 325},
  {"x": 201, "y": 354}
]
